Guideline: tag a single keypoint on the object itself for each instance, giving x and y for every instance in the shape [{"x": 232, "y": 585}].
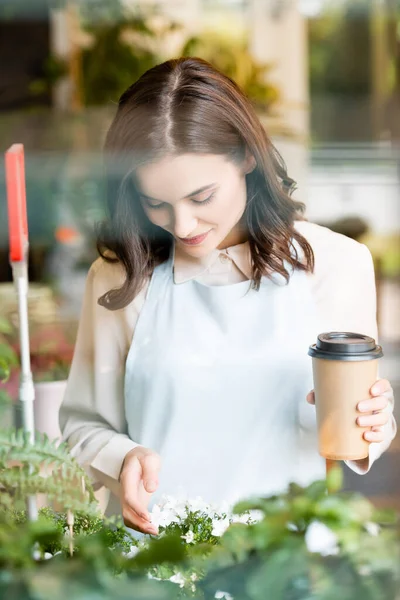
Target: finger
[
  {"x": 311, "y": 397},
  {"x": 377, "y": 420},
  {"x": 150, "y": 464},
  {"x": 380, "y": 387},
  {"x": 131, "y": 481},
  {"x": 132, "y": 520},
  {"x": 376, "y": 436},
  {"x": 378, "y": 403}
]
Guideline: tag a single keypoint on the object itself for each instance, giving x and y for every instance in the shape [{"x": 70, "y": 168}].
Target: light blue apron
[{"x": 216, "y": 383}]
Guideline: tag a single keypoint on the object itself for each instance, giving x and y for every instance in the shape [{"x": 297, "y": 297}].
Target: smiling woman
[
  {"x": 182, "y": 127},
  {"x": 191, "y": 373},
  {"x": 209, "y": 216}
]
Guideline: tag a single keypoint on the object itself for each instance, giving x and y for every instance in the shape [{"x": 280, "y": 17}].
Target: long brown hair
[{"x": 187, "y": 106}]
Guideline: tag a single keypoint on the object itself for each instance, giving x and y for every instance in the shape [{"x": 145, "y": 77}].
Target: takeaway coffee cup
[{"x": 345, "y": 367}]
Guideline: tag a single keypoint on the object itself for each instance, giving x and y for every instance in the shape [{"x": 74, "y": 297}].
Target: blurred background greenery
[{"x": 322, "y": 74}]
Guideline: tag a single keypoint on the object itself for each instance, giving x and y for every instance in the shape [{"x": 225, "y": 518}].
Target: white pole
[{"x": 26, "y": 389}]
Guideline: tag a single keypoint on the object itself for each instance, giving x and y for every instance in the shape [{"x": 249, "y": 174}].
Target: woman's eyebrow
[{"x": 198, "y": 191}]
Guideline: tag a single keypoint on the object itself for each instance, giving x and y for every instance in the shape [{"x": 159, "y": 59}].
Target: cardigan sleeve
[{"x": 92, "y": 415}]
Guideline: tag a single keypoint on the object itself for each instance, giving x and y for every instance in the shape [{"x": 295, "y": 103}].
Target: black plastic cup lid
[{"x": 344, "y": 345}]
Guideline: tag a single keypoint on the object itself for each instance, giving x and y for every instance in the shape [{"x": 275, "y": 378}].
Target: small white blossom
[
  {"x": 220, "y": 526},
  {"x": 37, "y": 555},
  {"x": 256, "y": 515},
  {"x": 47, "y": 555},
  {"x": 133, "y": 550},
  {"x": 372, "y": 528},
  {"x": 364, "y": 570},
  {"x": 178, "y": 578},
  {"x": 199, "y": 505},
  {"x": 194, "y": 577},
  {"x": 162, "y": 517},
  {"x": 176, "y": 508},
  {"x": 241, "y": 518},
  {"x": 223, "y": 595},
  {"x": 189, "y": 537},
  {"x": 320, "y": 539}
]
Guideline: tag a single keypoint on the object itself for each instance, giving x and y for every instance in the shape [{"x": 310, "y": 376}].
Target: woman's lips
[{"x": 194, "y": 241}]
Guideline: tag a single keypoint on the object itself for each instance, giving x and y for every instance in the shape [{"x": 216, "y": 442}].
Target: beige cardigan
[{"x": 92, "y": 415}]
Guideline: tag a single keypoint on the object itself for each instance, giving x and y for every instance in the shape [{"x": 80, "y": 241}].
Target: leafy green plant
[
  {"x": 310, "y": 544},
  {"x": 8, "y": 356},
  {"x": 22, "y": 464},
  {"x": 234, "y": 59}
]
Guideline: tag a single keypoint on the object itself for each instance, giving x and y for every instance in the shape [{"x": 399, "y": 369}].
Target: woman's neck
[{"x": 238, "y": 235}]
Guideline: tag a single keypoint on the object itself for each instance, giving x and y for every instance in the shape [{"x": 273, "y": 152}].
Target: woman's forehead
[{"x": 179, "y": 176}]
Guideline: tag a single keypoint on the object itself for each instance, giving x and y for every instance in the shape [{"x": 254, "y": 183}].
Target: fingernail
[
  {"x": 363, "y": 406},
  {"x": 150, "y": 485},
  {"x": 376, "y": 389},
  {"x": 362, "y": 422}
]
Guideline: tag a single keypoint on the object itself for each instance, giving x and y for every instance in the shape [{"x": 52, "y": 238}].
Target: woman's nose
[{"x": 185, "y": 223}]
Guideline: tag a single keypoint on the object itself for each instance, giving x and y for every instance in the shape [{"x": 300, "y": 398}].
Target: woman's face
[{"x": 198, "y": 198}]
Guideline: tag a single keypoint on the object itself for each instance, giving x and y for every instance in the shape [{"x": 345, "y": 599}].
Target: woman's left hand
[{"x": 375, "y": 408}]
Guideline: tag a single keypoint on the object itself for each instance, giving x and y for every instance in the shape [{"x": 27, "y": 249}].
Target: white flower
[
  {"x": 364, "y": 570},
  {"x": 181, "y": 512},
  {"x": 176, "y": 506},
  {"x": 37, "y": 555},
  {"x": 372, "y": 528},
  {"x": 189, "y": 537},
  {"x": 162, "y": 517},
  {"x": 241, "y": 518},
  {"x": 194, "y": 577},
  {"x": 248, "y": 518},
  {"x": 133, "y": 550},
  {"x": 150, "y": 576},
  {"x": 320, "y": 539},
  {"x": 256, "y": 515},
  {"x": 199, "y": 505},
  {"x": 220, "y": 526},
  {"x": 223, "y": 595},
  {"x": 178, "y": 578}
]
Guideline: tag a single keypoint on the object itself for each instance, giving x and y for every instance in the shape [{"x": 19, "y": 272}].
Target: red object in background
[{"x": 16, "y": 199}]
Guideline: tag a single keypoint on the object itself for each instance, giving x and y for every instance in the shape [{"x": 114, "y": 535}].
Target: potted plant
[
  {"x": 308, "y": 542},
  {"x": 51, "y": 351}
]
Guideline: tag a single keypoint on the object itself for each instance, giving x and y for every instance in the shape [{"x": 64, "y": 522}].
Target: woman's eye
[
  {"x": 206, "y": 200},
  {"x": 150, "y": 204}
]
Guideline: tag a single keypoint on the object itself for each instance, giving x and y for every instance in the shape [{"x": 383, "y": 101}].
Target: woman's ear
[{"x": 249, "y": 163}]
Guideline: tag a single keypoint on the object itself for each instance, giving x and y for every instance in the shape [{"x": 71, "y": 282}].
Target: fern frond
[
  {"x": 16, "y": 446},
  {"x": 23, "y": 473}
]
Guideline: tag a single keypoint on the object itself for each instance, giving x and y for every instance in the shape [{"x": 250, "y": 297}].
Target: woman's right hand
[{"x": 139, "y": 480}]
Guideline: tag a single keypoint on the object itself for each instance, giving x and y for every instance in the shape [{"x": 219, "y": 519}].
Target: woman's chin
[{"x": 198, "y": 250}]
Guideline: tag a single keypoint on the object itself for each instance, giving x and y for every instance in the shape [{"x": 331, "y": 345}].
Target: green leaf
[
  {"x": 5, "y": 326},
  {"x": 238, "y": 539},
  {"x": 386, "y": 516},
  {"x": 280, "y": 574},
  {"x": 168, "y": 549}
]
